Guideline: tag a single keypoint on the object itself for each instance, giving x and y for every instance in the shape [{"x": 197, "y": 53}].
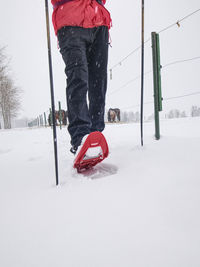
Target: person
[{"x": 82, "y": 28}]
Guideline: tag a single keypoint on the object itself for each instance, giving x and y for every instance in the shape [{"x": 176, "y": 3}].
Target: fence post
[
  {"x": 45, "y": 119},
  {"x": 60, "y": 114},
  {"x": 50, "y": 117},
  {"x": 41, "y": 120},
  {"x": 157, "y": 81},
  {"x": 38, "y": 122}
]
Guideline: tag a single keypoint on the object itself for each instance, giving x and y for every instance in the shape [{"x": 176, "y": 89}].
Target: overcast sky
[{"x": 23, "y": 31}]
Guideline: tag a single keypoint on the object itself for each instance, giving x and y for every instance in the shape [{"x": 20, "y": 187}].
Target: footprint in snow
[{"x": 101, "y": 170}]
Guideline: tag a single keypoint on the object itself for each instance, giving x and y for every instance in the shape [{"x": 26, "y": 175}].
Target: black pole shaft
[
  {"x": 52, "y": 90},
  {"x": 142, "y": 74}
]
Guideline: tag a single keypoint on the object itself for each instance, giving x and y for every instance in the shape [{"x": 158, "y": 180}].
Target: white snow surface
[{"x": 140, "y": 207}]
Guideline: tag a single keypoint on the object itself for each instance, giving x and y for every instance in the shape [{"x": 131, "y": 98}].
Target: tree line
[
  {"x": 175, "y": 113},
  {"x": 130, "y": 116},
  {"x": 9, "y": 92}
]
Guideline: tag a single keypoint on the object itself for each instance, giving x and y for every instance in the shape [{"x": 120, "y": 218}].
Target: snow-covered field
[{"x": 140, "y": 207}]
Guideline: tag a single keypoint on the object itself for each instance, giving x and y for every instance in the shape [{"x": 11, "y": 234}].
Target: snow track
[{"x": 140, "y": 207}]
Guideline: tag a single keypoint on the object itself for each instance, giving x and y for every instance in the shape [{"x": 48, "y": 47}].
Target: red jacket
[{"x": 82, "y": 13}]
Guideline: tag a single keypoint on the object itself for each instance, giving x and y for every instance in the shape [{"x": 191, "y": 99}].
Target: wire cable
[
  {"x": 131, "y": 81},
  {"x": 148, "y": 72},
  {"x": 131, "y": 53},
  {"x": 177, "y": 23},
  {"x": 165, "y": 99},
  {"x": 180, "y": 61},
  {"x": 181, "y": 96}
]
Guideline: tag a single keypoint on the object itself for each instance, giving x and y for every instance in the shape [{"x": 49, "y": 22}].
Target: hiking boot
[{"x": 75, "y": 149}]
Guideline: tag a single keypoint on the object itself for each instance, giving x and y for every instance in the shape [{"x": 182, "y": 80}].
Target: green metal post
[
  {"x": 159, "y": 73},
  {"x": 157, "y": 82}
]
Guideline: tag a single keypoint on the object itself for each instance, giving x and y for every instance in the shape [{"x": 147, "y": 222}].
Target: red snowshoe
[{"x": 93, "y": 151}]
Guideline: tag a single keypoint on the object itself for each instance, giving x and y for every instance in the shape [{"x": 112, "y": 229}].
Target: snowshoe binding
[{"x": 93, "y": 151}]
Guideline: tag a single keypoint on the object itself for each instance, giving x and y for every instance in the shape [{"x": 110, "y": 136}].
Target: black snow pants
[{"x": 85, "y": 53}]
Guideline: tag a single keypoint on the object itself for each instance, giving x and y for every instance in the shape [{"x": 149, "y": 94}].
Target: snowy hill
[{"x": 140, "y": 207}]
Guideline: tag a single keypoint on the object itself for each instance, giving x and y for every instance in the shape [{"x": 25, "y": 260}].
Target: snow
[{"x": 140, "y": 207}]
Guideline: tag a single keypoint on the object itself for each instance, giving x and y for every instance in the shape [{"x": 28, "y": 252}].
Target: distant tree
[
  {"x": 174, "y": 113},
  {"x": 137, "y": 116},
  {"x": 177, "y": 113},
  {"x": 9, "y": 93},
  {"x": 183, "y": 114},
  {"x": 195, "y": 111},
  {"x": 125, "y": 116},
  {"x": 131, "y": 116},
  {"x": 10, "y": 101},
  {"x": 3, "y": 65}
]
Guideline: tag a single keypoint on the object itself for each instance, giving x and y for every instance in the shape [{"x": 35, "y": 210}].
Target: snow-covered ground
[{"x": 140, "y": 207}]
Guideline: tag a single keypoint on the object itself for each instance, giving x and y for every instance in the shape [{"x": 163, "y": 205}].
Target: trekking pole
[
  {"x": 142, "y": 74},
  {"x": 51, "y": 90}
]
